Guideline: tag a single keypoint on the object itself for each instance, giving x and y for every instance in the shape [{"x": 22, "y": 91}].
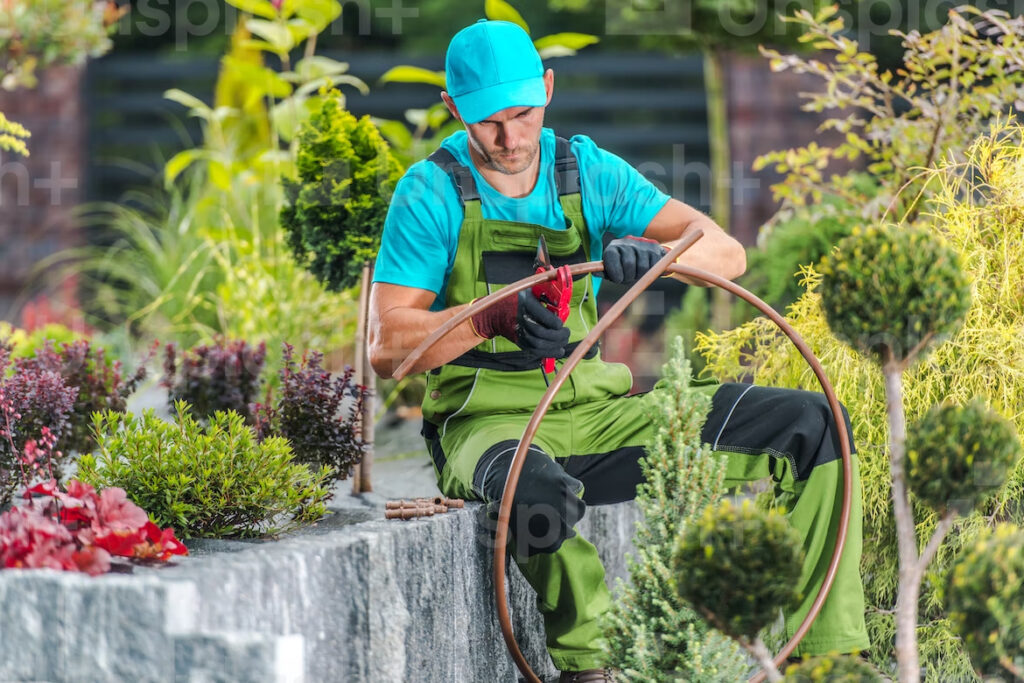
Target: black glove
[
  {"x": 525, "y": 321},
  {"x": 627, "y": 259}
]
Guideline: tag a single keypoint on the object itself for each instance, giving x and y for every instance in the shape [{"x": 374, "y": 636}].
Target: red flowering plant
[{"x": 74, "y": 528}]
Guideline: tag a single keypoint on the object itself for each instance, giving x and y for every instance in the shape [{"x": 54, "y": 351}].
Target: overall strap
[
  {"x": 461, "y": 176},
  {"x": 567, "y": 171}
]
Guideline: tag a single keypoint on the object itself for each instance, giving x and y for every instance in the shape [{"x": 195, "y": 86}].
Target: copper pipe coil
[{"x": 666, "y": 264}]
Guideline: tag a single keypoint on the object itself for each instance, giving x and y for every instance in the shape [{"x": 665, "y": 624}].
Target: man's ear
[
  {"x": 549, "y": 84},
  {"x": 450, "y": 103}
]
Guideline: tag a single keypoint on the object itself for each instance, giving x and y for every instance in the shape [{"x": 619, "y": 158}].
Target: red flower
[
  {"x": 46, "y": 488},
  {"x": 118, "y": 514},
  {"x": 158, "y": 545},
  {"x": 118, "y": 524},
  {"x": 78, "y": 504},
  {"x": 78, "y": 530},
  {"x": 91, "y": 560},
  {"x": 30, "y": 539}
]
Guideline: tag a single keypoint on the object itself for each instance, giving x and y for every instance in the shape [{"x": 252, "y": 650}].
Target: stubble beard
[{"x": 494, "y": 161}]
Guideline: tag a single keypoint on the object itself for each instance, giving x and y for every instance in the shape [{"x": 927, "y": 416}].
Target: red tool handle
[{"x": 555, "y": 294}]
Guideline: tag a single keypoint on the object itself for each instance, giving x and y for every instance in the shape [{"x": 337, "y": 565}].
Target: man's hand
[
  {"x": 627, "y": 259},
  {"x": 527, "y": 322}
]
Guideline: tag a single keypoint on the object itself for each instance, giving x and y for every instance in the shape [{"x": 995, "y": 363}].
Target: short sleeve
[
  {"x": 420, "y": 231},
  {"x": 616, "y": 197}
]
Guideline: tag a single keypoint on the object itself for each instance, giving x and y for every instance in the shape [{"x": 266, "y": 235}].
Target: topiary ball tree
[
  {"x": 983, "y": 598},
  {"x": 891, "y": 291},
  {"x": 335, "y": 208},
  {"x": 738, "y": 566},
  {"x": 832, "y": 669},
  {"x": 957, "y": 456}
]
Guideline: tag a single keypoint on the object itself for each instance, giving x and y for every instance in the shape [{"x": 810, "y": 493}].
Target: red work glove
[
  {"x": 525, "y": 321},
  {"x": 627, "y": 259}
]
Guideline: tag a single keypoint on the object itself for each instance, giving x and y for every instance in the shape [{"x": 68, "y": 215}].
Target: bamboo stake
[{"x": 362, "y": 473}]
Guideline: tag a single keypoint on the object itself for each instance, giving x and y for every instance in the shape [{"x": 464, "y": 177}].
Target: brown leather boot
[{"x": 587, "y": 676}]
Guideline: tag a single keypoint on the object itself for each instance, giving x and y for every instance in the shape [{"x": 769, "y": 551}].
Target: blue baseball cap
[{"x": 493, "y": 65}]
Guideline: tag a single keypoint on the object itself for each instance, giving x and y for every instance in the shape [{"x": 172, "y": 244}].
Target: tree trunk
[
  {"x": 721, "y": 176},
  {"x": 906, "y": 537}
]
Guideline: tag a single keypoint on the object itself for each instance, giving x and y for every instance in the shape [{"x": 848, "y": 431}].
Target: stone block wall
[{"x": 378, "y": 601}]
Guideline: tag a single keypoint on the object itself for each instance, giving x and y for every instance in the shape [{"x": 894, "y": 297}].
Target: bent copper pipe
[{"x": 666, "y": 264}]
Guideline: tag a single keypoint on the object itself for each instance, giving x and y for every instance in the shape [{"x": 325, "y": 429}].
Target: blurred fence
[{"x": 647, "y": 108}]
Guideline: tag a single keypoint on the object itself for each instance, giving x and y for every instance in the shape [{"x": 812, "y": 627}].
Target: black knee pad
[
  {"x": 547, "y": 503},
  {"x": 819, "y": 420}
]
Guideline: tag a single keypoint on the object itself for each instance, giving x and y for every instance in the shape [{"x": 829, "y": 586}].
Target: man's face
[{"x": 508, "y": 141}]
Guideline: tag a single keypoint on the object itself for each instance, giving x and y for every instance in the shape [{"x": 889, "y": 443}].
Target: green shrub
[
  {"x": 739, "y": 566},
  {"x": 653, "y": 636},
  {"x": 976, "y": 210},
  {"x": 336, "y": 206},
  {"x": 893, "y": 290},
  {"x": 958, "y": 456},
  {"x": 799, "y": 236},
  {"x": 832, "y": 669},
  {"x": 984, "y": 599},
  {"x": 216, "y": 481}
]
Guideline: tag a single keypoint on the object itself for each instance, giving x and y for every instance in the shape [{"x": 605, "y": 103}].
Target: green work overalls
[{"x": 487, "y": 396}]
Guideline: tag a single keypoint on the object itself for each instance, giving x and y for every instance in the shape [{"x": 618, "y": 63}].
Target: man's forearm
[
  {"x": 400, "y": 330},
  {"x": 715, "y": 252}
]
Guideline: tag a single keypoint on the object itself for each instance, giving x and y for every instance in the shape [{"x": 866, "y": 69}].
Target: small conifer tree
[
  {"x": 336, "y": 206},
  {"x": 652, "y": 634}
]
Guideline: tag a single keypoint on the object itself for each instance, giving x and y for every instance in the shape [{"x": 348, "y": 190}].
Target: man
[{"x": 465, "y": 222}]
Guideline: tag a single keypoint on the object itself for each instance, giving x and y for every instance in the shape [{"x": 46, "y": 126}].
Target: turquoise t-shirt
[{"x": 421, "y": 232}]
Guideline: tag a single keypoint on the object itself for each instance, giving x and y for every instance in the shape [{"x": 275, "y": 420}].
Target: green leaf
[
  {"x": 258, "y": 45},
  {"x": 313, "y": 86},
  {"x": 319, "y": 13},
  {"x": 553, "y": 51},
  {"x": 180, "y": 161},
  {"x": 191, "y": 101},
  {"x": 274, "y": 33},
  {"x": 262, "y": 79},
  {"x": 572, "y": 41},
  {"x": 413, "y": 74},
  {"x": 259, "y": 8},
  {"x": 316, "y": 67},
  {"x": 219, "y": 175},
  {"x": 499, "y": 10},
  {"x": 437, "y": 115},
  {"x": 300, "y": 30},
  {"x": 396, "y": 132},
  {"x": 288, "y": 115},
  {"x": 417, "y": 117}
]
